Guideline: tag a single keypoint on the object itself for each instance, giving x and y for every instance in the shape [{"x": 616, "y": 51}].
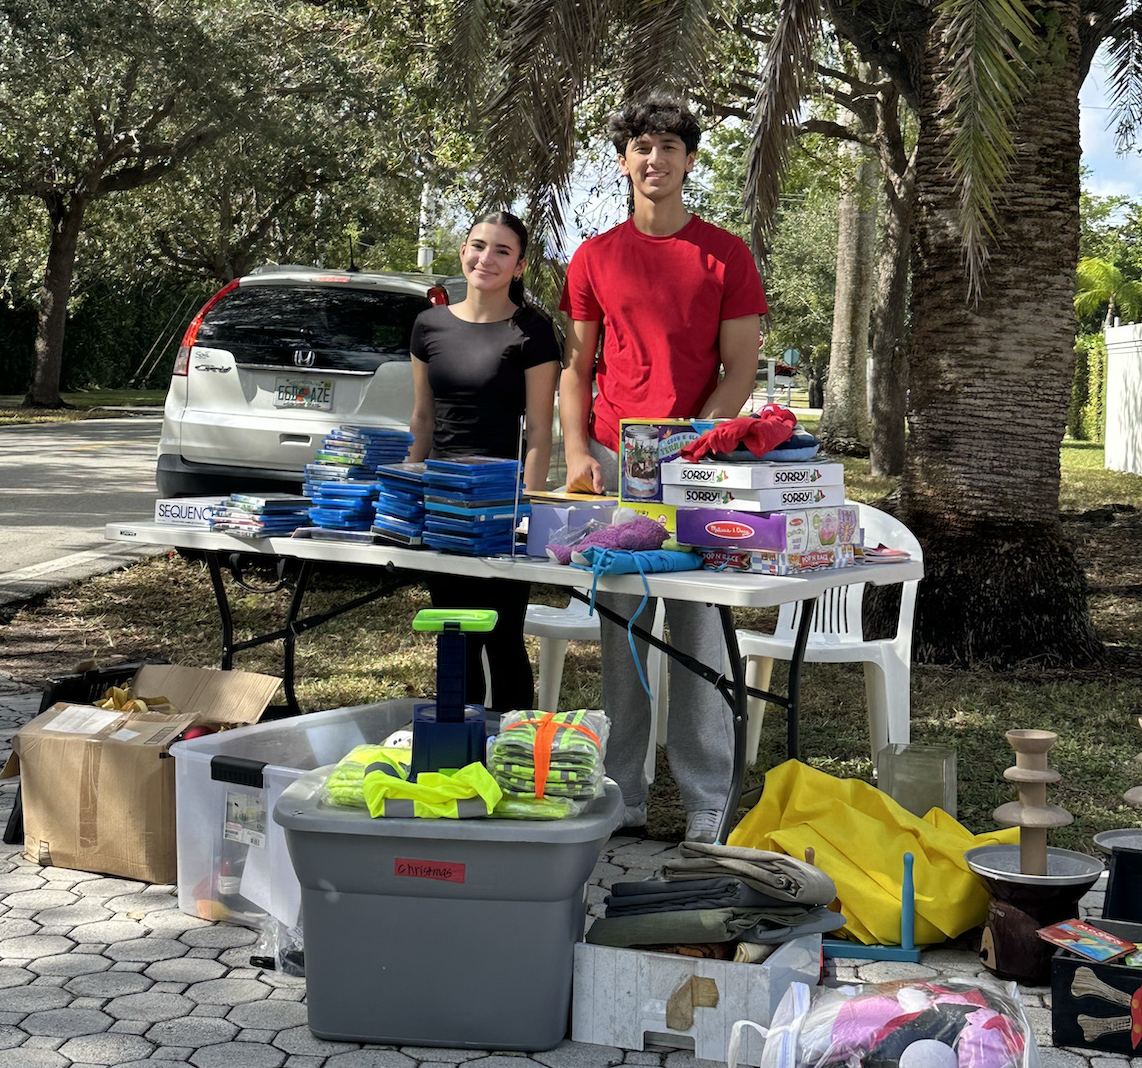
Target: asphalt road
[{"x": 60, "y": 483}]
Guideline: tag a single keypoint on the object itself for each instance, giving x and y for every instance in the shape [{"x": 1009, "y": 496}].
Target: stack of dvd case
[
  {"x": 399, "y": 514},
  {"x": 473, "y": 504},
  {"x": 261, "y": 515},
  {"x": 352, "y": 453},
  {"x": 343, "y": 506},
  {"x": 382, "y": 444}
]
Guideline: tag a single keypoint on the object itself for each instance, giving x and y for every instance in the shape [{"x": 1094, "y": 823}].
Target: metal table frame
[{"x": 399, "y": 567}]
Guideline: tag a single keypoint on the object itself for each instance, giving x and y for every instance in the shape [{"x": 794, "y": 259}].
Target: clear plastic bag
[
  {"x": 940, "y": 1022},
  {"x": 562, "y": 750}
]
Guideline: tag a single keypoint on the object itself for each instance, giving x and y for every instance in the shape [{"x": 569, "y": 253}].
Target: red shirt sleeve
[{"x": 579, "y": 300}]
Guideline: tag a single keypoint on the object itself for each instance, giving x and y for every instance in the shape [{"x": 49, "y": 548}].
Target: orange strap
[{"x": 544, "y": 740}]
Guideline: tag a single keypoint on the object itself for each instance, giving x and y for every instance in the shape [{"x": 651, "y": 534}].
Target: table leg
[
  {"x": 738, "y": 700},
  {"x": 222, "y": 599},
  {"x": 793, "y": 702},
  {"x": 294, "y": 626},
  {"x": 734, "y": 690}
]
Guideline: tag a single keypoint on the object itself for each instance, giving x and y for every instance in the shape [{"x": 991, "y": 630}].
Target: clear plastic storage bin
[{"x": 232, "y": 858}]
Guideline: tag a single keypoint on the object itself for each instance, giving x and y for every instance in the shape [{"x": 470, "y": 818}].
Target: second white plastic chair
[{"x": 837, "y": 636}]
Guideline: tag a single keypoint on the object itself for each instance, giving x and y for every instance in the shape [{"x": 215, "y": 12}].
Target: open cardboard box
[{"x": 98, "y": 789}]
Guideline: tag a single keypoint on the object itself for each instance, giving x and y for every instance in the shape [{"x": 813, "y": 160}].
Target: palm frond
[
  {"x": 672, "y": 44},
  {"x": 785, "y": 76},
  {"x": 470, "y": 28},
  {"x": 1125, "y": 41},
  {"x": 988, "y": 76}
]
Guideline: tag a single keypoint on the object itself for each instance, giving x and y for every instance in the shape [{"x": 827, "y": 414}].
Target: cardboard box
[
  {"x": 552, "y": 512},
  {"x": 753, "y": 500},
  {"x": 626, "y": 997},
  {"x": 765, "y": 474},
  {"x": 784, "y": 532},
  {"x": 192, "y": 512},
  {"x": 763, "y": 562},
  {"x": 1098, "y": 1006},
  {"x": 644, "y": 446},
  {"x": 97, "y": 787}
]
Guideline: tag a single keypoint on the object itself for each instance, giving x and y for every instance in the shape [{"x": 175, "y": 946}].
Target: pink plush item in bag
[{"x": 641, "y": 532}]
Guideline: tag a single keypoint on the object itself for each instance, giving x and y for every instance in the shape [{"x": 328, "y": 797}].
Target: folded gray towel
[
  {"x": 672, "y": 895},
  {"x": 712, "y": 925},
  {"x": 776, "y": 874}
]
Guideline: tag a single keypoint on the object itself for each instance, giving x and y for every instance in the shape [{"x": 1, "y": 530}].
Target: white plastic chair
[
  {"x": 555, "y": 627},
  {"x": 837, "y": 637}
]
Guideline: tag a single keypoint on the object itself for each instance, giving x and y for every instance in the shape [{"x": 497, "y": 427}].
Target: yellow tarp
[{"x": 859, "y": 836}]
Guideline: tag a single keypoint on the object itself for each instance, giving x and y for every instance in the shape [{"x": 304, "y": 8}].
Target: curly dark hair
[{"x": 659, "y": 113}]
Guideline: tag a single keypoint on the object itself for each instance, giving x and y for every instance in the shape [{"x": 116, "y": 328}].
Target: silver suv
[{"x": 277, "y": 359}]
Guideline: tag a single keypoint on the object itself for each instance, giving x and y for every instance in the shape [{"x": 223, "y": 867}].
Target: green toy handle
[{"x": 477, "y": 619}]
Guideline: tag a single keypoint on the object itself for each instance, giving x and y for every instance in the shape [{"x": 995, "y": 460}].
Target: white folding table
[{"x": 399, "y": 566}]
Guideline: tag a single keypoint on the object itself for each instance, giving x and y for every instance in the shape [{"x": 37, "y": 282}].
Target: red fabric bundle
[{"x": 759, "y": 433}]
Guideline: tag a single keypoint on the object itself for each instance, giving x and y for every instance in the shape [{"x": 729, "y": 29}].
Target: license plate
[{"x": 303, "y": 393}]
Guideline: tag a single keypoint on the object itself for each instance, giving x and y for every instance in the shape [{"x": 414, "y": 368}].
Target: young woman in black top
[{"x": 478, "y": 366}]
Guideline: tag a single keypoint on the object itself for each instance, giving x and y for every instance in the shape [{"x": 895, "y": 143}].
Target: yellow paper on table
[{"x": 859, "y": 836}]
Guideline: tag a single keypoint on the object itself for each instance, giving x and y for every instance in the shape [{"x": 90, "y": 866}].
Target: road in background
[{"x": 60, "y": 483}]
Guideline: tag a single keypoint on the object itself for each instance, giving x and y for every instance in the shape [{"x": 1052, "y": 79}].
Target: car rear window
[{"x": 265, "y": 324}]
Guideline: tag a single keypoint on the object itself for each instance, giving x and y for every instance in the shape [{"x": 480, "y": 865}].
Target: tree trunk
[
  {"x": 65, "y": 211},
  {"x": 844, "y": 421},
  {"x": 888, "y": 368},
  {"x": 990, "y": 382}
]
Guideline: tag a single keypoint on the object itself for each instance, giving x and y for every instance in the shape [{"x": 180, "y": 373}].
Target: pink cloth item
[
  {"x": 642, "y": 532},
  {"x": 759, "y": 433}
]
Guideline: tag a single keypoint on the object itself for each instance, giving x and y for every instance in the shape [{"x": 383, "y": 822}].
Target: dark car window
[{"x": 346, "y": 328}]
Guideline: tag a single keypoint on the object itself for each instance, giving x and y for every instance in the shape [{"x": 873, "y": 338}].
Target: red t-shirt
[{"x": 661, "y": 301}]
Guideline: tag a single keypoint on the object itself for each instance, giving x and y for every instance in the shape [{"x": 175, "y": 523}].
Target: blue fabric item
[
  {"x": 634, "y": 561},
  {"x": 600, "y": 561}
]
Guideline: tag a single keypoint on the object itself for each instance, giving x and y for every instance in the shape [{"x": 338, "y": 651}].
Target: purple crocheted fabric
[{"x": 642, "y": 532}]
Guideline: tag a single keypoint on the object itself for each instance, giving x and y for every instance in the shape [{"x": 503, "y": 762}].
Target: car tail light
[
  {"x": 182, "y": 360},
  {"x": 438, "y": 295}
]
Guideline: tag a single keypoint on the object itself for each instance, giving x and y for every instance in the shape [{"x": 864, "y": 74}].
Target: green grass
[{"x": 82, "y": 404}]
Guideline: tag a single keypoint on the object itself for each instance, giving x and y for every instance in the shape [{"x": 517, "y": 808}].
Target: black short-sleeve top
[{"x": 477, "y": 374}]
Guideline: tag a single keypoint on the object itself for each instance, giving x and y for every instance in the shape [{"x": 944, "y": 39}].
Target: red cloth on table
[{"x": 759, "y": 433}]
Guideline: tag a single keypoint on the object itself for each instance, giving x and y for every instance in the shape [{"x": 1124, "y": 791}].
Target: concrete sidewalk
[{"x": 103, "y": 971}]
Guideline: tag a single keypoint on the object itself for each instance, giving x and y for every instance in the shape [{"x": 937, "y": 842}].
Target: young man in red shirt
[{"x": 678, "y": 303}]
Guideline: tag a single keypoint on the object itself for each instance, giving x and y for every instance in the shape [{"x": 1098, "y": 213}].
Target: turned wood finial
[{"x": 1031, "y": 813}]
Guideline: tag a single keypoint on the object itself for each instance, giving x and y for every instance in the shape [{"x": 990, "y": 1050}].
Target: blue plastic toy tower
[{"x": 448, "y": 733}]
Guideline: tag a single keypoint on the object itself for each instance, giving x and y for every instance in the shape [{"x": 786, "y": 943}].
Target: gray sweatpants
[{"x": 700, "y": 724}]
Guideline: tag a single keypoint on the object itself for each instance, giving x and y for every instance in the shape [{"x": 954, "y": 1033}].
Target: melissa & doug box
[{"x": 801, "y": 531}]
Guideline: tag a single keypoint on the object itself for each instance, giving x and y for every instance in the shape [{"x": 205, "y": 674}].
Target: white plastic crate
[
  {"x": 233, "y": 862},
  {"x": 621, "y": 996}
]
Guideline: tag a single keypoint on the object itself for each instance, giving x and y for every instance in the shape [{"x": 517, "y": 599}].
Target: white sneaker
[
  {"x": 703, "y": 825},
  {"x": 634, "y": 816}
]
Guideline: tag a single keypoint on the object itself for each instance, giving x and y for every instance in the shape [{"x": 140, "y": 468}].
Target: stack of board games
[
  {"x": 261, "y": 515},
  {"x": 776, "y": 518},
  {"x": 399, "y": 505},
  {"x": 473, "y": 504}
]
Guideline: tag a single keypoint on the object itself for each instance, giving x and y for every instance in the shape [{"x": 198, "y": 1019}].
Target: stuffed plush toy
[{"x": 635, "y": 532}]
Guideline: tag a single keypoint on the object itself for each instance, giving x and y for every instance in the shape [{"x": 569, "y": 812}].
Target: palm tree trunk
[
  {"x": 844, "y": 421},
  {"x": 990, "y": 383},
  {"x": 65, "y": 212},
  {"x": 888, "y": 368}
]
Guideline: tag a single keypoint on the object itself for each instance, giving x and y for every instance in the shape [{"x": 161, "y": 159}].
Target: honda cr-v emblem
[{"x": 304, "y": 357}]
